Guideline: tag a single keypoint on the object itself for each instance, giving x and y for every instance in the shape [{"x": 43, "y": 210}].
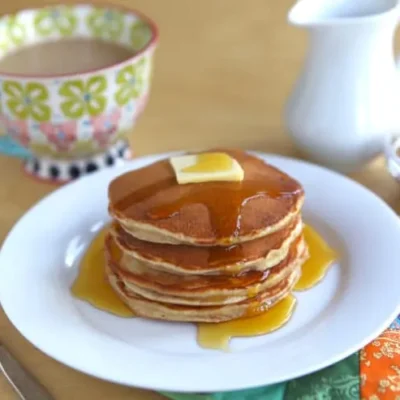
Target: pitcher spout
[{"x": 310, "y": 13}]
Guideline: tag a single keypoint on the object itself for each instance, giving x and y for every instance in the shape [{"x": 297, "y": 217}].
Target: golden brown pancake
[
  {"x": 204, "y": 252},
  {"x": 156, "y": 310},
  {"x": 204, "y": 289},
  {"x": 153, "y": 309},
  {"x": 259, "y": 254},
  {"x": 152, "y": 206}
]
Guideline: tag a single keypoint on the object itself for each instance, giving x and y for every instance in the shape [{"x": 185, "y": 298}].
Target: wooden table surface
[{"x": 223, "y": 71}]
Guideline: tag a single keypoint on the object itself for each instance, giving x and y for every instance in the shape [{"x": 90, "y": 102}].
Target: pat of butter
[{"x": 206, "y": 167}]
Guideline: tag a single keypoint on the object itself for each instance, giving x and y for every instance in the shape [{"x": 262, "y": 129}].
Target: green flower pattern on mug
[
  {"x": 131, "y": 82},
  {"x": 84, "y": 97},
  {"x": 106, "y": 24},
  {"x": 140, "y": 35},
  {"x": 27, "y": 100},
  {"x": 57, "y": 19},
  {"x": 15, "y": 31}
]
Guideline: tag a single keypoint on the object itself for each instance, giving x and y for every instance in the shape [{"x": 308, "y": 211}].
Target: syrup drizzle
[
  {"x": 221, "y": 259},
  {"x": 92, "y": 286},
  {"x": 224, "y": 203},
  {"x": 218, "y": 336},
  {"x": 321, "y": 257},
  {"x": 154, "y": 194}
]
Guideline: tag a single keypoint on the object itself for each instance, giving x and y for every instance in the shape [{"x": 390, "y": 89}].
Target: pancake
[
  {"x": 157, "y": 310},
  {"x": 203, "y": 290},
  {"x": 153, "y": 207},
  {"x": 204, "y": 252},
  {"x": 259, "y": 254}
]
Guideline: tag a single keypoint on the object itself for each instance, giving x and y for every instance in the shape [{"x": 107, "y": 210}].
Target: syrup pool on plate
[
  {"x": 91, "y": 285},
  {"x": 321, "y": 256},
  {"x": 217, "y": 336}
]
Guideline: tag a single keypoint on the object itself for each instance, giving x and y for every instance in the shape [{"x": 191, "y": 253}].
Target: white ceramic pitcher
[{"x": 348, "y": 94}]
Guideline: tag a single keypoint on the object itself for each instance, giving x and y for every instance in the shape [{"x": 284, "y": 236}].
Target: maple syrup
[
  {"x": 225, "y": 215},
  {"x": 223, "y": 259},
  {"x": 244, "y": 279},
  {"x": 210, "y": 162},
  {"x": 217, "y": 336},
  {"x": 91, "y": 283},
  {"x": 153, "y": 194},
  {"x": 321, "y": 257}
]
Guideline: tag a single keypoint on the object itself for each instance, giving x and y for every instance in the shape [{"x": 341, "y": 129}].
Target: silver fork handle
[{"x": 26, "y": 386}]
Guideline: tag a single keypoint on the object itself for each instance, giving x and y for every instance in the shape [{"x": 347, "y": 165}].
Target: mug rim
[{"x": 126, "y": 10}]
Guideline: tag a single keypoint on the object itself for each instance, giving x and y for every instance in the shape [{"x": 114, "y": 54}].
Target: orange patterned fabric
[{"x": 380, "y": 367}]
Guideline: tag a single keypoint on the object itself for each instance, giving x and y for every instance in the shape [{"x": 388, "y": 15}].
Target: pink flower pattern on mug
[
  {"x": 18, "y": 130},
  {"x": 61, "y": 135},
  {"x": 105, "y": 126}
]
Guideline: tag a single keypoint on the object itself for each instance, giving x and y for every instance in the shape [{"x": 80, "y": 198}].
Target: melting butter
[
  {"x": 210, "y": 162},
  {"x": 218, "y": 336},
  {"x": 321, "y": 257},
  {"x": 206, "y": 167},
  {"x": 91, "y": 284}
]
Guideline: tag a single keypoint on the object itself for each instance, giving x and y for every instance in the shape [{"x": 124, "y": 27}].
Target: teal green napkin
[
  {"x": 340, "y": 381},
  {"x": 9, "y": 147}
]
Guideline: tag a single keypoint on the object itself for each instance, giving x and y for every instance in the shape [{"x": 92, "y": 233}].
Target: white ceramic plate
[{"x": 358, "y": 298}]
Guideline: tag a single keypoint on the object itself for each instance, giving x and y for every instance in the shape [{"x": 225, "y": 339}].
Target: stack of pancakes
[{"x": 204, "y": 252}]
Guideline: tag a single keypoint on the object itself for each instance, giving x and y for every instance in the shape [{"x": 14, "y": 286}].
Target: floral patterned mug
[{"x": 74, "y": 124}]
